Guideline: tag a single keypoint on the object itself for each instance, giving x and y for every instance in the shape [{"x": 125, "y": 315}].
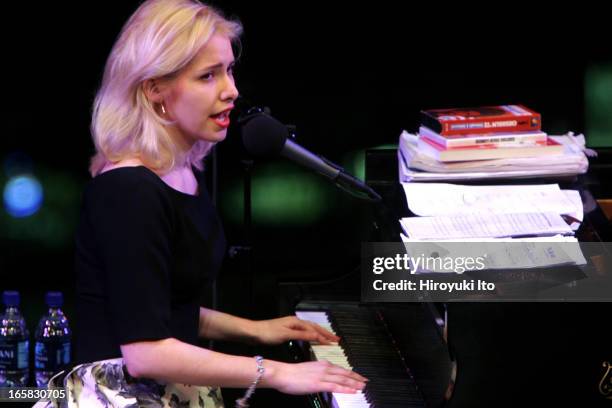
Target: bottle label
[
  {"x": 51, "y": 356},
  {"x": 14, "y": 355}
]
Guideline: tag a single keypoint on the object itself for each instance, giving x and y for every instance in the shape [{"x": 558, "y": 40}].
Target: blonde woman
[{"x": 149, "y": 237}]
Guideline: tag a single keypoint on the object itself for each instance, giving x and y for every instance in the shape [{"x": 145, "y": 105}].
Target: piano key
[{"x": 366, "y": 348}]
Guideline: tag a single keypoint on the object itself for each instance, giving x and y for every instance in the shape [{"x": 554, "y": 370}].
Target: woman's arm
[
  {"x": 216, "y": 325},
  {"x": 171, "y": 360}
]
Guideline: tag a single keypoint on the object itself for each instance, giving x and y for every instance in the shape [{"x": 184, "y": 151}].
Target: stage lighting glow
[
  {"x": 23, "y": 196},
  {"x": 282, "y": 194},
  {"x": 598, "y": 105}
]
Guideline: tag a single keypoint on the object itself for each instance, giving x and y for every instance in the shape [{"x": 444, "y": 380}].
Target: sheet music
[
  {"x": 548, "y": 238},
  {"x": 534, "y": 252},
  {"x": 434, "y": 199},
  {"x": 578, "y": 214},
  {"x": 484, "y": 226}
]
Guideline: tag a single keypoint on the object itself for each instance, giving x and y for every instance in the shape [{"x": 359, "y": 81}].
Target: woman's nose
[{"x": 230, "y": 91}]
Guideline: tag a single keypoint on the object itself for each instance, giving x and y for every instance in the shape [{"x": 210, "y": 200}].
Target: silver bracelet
[{"x": 243, "y": 402}]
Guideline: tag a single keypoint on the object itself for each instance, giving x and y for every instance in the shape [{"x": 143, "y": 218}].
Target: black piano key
[{"x": 371, "y": 353}]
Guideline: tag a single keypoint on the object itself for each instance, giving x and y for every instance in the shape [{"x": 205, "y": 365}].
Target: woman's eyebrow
[{"x": 217, "y": 66}]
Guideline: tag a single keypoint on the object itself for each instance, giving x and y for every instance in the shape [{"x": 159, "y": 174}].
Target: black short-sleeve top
[{"x": 144, "y": 254}]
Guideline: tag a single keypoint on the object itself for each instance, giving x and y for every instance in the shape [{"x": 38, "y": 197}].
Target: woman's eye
[{"x": 207, "y": 76}]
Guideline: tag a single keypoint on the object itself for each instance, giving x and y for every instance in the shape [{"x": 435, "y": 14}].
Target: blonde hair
[{"x": 159, "y": 39}]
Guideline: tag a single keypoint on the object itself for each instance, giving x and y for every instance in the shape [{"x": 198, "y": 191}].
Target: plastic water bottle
[
  {"x": 52, "y": 350},
  {"x": 14, "y": 344}
]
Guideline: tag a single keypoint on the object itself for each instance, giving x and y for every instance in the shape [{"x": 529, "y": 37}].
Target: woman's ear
[{"x": 153, "y": 90}]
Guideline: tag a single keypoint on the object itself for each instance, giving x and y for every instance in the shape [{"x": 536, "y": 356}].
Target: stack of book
[
  {"x": 484, "y": 133},
  {"x": 490, "y": 139}
]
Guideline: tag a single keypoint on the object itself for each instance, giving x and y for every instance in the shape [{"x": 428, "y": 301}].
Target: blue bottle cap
[
  {"x": 10, "y": 298},
  {"x": 54, "y": 299}
]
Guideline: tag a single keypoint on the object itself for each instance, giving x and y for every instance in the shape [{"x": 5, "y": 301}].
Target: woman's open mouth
[{"x": 222, "y": 119}]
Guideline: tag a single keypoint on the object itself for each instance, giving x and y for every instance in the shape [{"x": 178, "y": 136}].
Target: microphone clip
[{"x": 251, "y": 113}]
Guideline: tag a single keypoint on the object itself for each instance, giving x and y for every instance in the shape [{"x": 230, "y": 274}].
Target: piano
[
  {"x": 399, "y": 348},
  {"x": 367, "y": 347},
  {"x": 463, "y": 354}
]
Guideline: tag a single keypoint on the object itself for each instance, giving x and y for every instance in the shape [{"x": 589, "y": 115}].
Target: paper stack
[
  {"x": 416, "y": 165},
  {"x": 448, "y": 211},
  {"x": 533, "y": 217}
]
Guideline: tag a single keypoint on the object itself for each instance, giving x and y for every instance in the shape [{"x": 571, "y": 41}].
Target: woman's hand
[
  {"x": 277, "y": 331},
  {"x": 311, "y": 377}
]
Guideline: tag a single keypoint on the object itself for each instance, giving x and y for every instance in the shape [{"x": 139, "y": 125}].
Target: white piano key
[
  {"x": 357, "y": 400},
  {"x": 315, "y": 317},
  {"x": 336, "y": 355}
]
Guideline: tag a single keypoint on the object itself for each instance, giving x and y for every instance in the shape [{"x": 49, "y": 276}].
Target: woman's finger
[
  {"x": 325, "y": 335},
  {"x": 324, "y": 332},
  {"x": 307, "y": 333},
  {"x": 333, "y": 387},
  {"x": 344, "y": 381},
  {"x": 336, "y": 370}
]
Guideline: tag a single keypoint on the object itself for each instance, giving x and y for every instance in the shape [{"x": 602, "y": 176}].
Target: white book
[
  {"x": 507, "y": 139},
  {"x": 488, "y": 152}
]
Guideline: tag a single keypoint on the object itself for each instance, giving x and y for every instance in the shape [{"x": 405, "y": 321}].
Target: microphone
[{"x": 265, "y": 136}]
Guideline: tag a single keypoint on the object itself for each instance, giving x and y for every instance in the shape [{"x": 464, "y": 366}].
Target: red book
[
  {"x": 486, "y": 152},
  {"x": 485, "y": 119}
]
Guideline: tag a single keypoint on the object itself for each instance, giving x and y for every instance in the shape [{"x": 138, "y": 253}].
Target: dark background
[{"x": 349, "y": 76}]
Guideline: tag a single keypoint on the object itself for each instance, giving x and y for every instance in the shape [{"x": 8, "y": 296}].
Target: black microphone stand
[
  {"x": 244, "y": 252},
  {"x": 247, "y": 166},
  {"x": 343, "y": 180}
]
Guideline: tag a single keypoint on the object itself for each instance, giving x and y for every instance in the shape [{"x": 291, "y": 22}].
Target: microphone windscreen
[{"x": 263, "y": 135}]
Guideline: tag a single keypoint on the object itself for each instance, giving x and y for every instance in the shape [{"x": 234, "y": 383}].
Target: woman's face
[{"x": 200, "y": 98}]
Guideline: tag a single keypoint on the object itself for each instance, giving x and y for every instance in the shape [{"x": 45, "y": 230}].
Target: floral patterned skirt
[{"x": 107, "y": 383}]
